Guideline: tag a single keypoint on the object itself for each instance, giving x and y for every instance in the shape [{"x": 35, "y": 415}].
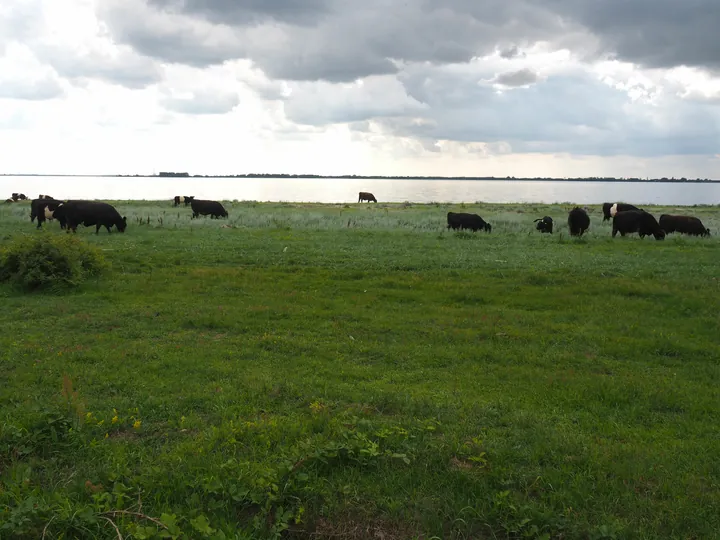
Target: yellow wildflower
[
  {"x": 114, "y": 419},
  {"x": 137, "y": 423}
]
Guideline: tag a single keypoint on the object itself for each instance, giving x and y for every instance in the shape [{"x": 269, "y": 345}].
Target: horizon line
[{"x": 380, "y": 177}]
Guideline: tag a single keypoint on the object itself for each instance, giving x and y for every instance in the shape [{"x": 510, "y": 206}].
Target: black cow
[
  {"x": 18, "y": 197},
  {"x": 544, "y": 224},
  {"x": 578, "y": 221},
  {"x": 44, "y": 209},
  {"x": 90, "y": 213},
  {"x": 366, "y": 196},
  {"x": 187, "y": 199},
  {"x": 638, "y": 221},
  {"x": 683, "y": 224},
  {"x": 462, "y": 221},
  {"x": 610, "y": 209},
  {"x": 212, "y": 208}
]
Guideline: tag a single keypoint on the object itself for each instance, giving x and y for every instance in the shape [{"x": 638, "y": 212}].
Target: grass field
[{"x": 357, "y": 371}]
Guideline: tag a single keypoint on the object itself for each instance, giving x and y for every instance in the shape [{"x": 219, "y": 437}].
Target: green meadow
[{"x": 357, "y": 371}]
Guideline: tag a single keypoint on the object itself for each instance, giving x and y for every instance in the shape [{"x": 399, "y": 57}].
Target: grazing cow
[
  {"x": 467, "y": 221},
  {"x": 8, "y": 201},
  {"x": 212, "y": 208},
  {"x": 366, "y": 196},
  {"x": 638, "y": 221},
  {"x": 46, "y": 197},
  {"x": 187, "y": 199},
  {"x": 90, "y": 213},
  {"x": 610, "y": 209},
  {"x": 44, "y": 209},
  {"x": 544, "y": 224},
  {"x": 18, "y": 197},
  {"x": 683, "y": 224},
  {"x": 578, "y": 221}
]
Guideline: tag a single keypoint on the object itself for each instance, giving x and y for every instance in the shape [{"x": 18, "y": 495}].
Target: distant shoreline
[{"x": 363, "y": 177}]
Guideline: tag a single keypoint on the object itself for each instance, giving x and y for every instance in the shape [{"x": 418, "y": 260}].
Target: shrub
[{"x": 49, "y": 261}]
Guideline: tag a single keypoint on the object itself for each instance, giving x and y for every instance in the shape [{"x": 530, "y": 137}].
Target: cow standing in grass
[
  {"x": 366, "y": 196},
  {"x": 544, "y": 224},
  {"x": 182, "y": 199},
  {"x": 90, "y": 213},
  {"x": 44, "y": 210},
  {"x": 578, "y": 221},
  {"x": 610, "y": 209},
  {"x": 212, "y": 208},
  {"x": 460, "y": 220},
  {"x": 683, "y": 224},
  {"x": 637, "y": 221}
]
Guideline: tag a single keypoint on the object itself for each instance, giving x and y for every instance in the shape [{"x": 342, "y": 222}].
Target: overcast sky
[{"x": 396, "y": 87}]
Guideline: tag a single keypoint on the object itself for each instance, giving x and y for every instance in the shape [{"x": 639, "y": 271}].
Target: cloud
[
  {"x": 323, "y": 103},
  {"x": 23, "y": 77},
  {"x": 201, "y": 102},
  {"x": 342, "y": 40},
  {"x": 521, "y": 77}
]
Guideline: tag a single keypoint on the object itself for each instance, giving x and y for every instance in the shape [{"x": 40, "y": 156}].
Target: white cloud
[{"x": 333, "y": 86}]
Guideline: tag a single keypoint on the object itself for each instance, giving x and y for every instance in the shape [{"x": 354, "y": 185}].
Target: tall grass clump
[{"x": 49, "y": 262}]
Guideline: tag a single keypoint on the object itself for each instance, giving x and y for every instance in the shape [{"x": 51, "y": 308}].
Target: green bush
[{"x": 49, "y": 261}]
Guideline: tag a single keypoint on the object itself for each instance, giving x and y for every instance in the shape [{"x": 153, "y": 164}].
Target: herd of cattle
[{"x": 626, "y": 218}]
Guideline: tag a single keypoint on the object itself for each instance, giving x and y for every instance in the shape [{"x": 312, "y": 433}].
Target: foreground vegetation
[{"x": 357, "y": 371}]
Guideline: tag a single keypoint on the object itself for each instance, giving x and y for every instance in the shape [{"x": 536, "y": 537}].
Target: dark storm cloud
[
  {"x": 653, "y": 33},
  {"x": 348, "y": 40},
  {"x": 244, "y": 12},
  {"x": 521, "y": 77},
  {"x": 340, "y": 40}
]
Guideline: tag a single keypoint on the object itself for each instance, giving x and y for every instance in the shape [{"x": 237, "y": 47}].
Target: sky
[{"x": 525, "y": 88}]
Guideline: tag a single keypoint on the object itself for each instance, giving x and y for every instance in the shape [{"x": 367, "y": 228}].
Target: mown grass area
[{"x": 357, "y": 371}]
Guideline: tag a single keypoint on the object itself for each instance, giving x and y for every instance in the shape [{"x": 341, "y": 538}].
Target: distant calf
[
  {"x": 44, "y": 209},
  {"x": 610, "y": 209},
  {"x": 18, "y": 197},
  {"x": 90, "y": 213},
  {"x": 204, "y": 208},
  {"x": 187, "y": 199},
  {"x": 683, "y": 224},
  {"x": 366, "y": 196},
  {"x": 544, "y": 224},
  {"x": 578, "y": 221},
  {"x": 460, "y": 220},
  {"x": 637, "y": 221}
]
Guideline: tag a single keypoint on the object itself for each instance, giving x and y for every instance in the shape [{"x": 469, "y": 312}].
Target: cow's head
[
  {"x": 122, "y": 224},
  {"x": 659, "y": 234},
  {"x": 488, "y": 227}
]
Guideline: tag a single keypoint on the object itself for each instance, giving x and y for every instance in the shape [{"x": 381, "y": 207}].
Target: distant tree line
[
  {"x": 537, "y": 178},
  {"x": 166, "y": 174}
]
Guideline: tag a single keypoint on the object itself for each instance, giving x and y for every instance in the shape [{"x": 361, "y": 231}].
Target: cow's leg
[
  {"x": 109, "y": 229},
  {"x": 97, "y": 228}
]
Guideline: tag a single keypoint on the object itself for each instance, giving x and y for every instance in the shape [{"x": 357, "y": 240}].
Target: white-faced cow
[
  {"x": 44, "y": 210},
  {"x": 182, "y": 199},
  {"x": 610, "y": 209}
]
